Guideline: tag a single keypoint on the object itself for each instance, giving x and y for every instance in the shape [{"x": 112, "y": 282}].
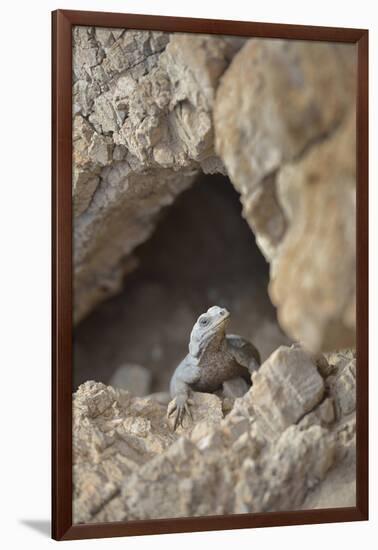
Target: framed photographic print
[{"x": 210, "y": 268}]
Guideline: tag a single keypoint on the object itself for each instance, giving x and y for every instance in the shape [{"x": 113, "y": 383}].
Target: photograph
[
  {"x": 214, "y": 205},
  {"x": 210, "y": 287},
  {"x": 188, "y": 276}
]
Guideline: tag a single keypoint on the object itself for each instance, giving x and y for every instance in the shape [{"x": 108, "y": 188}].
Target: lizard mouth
[{"x": 225, "y": 316}]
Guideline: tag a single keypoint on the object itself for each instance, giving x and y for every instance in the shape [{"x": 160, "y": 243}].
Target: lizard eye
[{"x": 204, "y": 321}]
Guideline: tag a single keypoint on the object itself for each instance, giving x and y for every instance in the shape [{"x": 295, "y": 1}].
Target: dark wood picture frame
[{"x": 62, "y": 23}]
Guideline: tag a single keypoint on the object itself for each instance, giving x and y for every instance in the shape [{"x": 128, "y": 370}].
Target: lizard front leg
[
  {"x": 244, "y": 352},
  {"x": 187, "y": 373}
]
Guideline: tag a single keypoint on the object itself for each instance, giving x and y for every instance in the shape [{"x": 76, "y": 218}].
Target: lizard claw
[
  {"x": 171, "y": 408},
  {"x": 179, "y": 408},
  {"x": 188, "y": 411}
]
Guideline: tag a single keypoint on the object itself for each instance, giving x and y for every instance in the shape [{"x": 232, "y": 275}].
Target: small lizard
[{"x": 214, "y": 357}]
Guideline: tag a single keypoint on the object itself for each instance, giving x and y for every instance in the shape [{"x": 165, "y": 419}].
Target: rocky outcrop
[
  {"x": 142, "y": 104},
  {"x": 285, "y": 129},
  {"x": 153, "y": 110},
  {"x": 288, "y": 443},
  {"x": 284, "y": 389}
]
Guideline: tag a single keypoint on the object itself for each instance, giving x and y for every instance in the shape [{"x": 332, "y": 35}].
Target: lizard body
[{"x": 213, "y": 358}]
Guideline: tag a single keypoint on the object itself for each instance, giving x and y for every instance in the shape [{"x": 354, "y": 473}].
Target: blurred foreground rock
[
  {"x": 288, "y": 443},
  {"x": 133, "y": 378},
  {"x": 285, "y": 130}
]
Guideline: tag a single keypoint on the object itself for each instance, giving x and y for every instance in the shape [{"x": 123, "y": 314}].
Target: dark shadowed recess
[{"x": 202, "y": 253}]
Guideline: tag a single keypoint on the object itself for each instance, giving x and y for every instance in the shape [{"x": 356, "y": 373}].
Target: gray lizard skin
[{"x": 213, "y": 358}]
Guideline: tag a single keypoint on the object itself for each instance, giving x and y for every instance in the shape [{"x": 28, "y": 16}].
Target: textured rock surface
[
  {"x": 284, "y": 389},
  {"x": 285, "y": 129},
  {"x": 314, "y": 286},
  {"x": 142, "y": 104},
  {"x": 128, "y": 464}
]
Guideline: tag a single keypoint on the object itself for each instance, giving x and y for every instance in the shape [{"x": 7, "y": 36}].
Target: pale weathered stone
[
  {"x": 285, "y": 388},
  {"x": 114, "y": 434},
  {"x": 276, "y": 98},
  {"x": 323, "y": 415},
  {"x": 303, "y": 457},
  {"x": 342, "y": 383},
  {"x": 142, "y": 131},
  {"x": 133, "y": 378},
  {"x": 129, "y": 464},
  {"x": 173, "y": 485},
  {"x": 314, "y": 286},
  {"x": 285, "y": 130}
]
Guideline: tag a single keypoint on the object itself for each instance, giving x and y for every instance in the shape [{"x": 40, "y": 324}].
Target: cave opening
[{"x": 202, "y": 253}]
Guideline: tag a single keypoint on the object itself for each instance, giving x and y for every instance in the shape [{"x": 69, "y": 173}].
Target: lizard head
[{"x": 210, "y": 324}]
